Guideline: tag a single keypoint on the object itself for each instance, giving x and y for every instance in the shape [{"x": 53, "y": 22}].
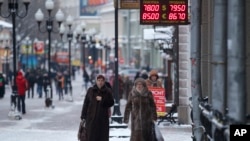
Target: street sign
[
  {"x": 129, "y": 4},
  {"x": 164, "y": 12}
]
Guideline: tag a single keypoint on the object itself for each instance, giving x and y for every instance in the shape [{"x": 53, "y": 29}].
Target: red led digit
[
  {"x": 182, "y": 16},
  {"x": 177, "y": 7},
  {"x": 151, "y": 7},
  {"x": 172, "y": 16},
  {"x": 182, "y": 8},
  {"x": 150, "y": 16}
]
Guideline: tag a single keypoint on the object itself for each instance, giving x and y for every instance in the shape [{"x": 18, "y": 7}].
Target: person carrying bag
[
  {"x": 82, "y": 134},
  {"x": 157, "y": 133}
]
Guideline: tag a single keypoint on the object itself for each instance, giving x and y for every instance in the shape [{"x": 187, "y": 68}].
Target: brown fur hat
[
  {"x": 153, "y": 73},
  {"x": 140, "y": 80}
]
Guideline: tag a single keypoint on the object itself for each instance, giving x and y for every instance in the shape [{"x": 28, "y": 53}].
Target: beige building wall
[{"x": 184, "y": 75}]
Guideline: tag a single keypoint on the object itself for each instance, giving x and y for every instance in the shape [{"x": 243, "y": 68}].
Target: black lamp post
[
  {"x": 34, "y": 54},
  {"x": 13, "y": 13},
  {"x": 106, "y": 47},
  {"x": 80, "y": 30},
  {"x": 49, "y": 4},
  {"x": 69, "y": 22},
  {"x": 116, "y": 116},
  {"x": 27, "y": 45}
]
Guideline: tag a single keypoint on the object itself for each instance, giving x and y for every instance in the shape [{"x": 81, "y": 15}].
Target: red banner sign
[
  {"x": 39, "y": 47},
  {"x": 160, "y": 100}
]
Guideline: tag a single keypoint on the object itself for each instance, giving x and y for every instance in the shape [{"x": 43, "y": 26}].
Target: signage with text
[
  {"x": 129, "y": 4},
  {"x": 164, "y": 12},
  {"x": 160, "y": 100}
]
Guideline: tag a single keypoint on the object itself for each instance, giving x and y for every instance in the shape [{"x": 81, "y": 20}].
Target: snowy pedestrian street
[{"x": 61, "y": 122}]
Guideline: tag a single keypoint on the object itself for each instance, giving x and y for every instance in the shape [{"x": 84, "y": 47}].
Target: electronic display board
[{"x": 164, "y": 12}]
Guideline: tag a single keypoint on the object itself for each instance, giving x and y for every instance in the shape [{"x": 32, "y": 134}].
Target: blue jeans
[{"x": 39, "y": 91}]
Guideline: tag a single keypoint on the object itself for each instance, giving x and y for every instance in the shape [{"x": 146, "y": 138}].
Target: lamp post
[
  {"x": 34, "y": 54},
  {"x": 27, "y": 45},
  {"x": 107, "y": 48},
  {"x": 69, "y": 22},
  {"x": 13, "y": 13},
  {"x": 116, "y": 116},
  {"x": 49, "y": 4},
  {"x": 18, "y": 39},
  {"x": 80, "y": 30}
]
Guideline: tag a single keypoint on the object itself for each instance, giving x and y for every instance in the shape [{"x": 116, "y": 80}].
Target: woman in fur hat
[
  {"x": 153, "y": 79},
  {"x": 142, "y": 107}
]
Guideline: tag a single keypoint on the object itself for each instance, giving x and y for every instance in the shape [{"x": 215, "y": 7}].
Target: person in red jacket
[{"x": 22, "y": 86}]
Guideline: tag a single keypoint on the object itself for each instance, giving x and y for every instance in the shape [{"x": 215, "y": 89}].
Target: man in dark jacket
[
  {"x": 31, "y": 81},
  {"x": 39, "y": 82},
  {"x": 46, "y": 84},
  {"x": 95, "y": 108}
]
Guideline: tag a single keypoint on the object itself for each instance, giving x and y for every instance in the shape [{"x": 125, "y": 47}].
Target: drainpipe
[
  {"x": 195, "y": 67},
  {"x": 236, "y": 58},
  {"x": 219, "y": 50},
  {"x": 128, "y": 38}
]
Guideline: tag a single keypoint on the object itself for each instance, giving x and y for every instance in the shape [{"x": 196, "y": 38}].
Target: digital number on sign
[
  {"x": 178, "y": 7},
  {"x": 164, "y": 12},
  {"x": 151, "y": 7}
]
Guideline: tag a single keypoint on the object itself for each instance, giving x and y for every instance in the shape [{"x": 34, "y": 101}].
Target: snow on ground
[{"x": 34, "y": 125}]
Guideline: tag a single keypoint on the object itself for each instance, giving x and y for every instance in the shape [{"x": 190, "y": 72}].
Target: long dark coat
[
  {"x": 96, "y": 113},
  {"x": 143, "y": 113}
]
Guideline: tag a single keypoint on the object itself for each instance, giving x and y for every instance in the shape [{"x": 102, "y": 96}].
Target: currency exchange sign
[{"x": 164, "y": 12}]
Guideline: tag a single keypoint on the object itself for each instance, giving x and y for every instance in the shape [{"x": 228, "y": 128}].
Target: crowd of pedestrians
[{"x": 36, "y": 83}]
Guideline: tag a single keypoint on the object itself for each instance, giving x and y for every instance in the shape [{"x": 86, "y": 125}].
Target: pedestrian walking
[
  {"x": 95, "y": 108},
  {"x": 128, "y": 84},
  {"x": 142, "y": 108},
  {"x": 46, "y": 84},
  {"x": 86, "y": 78},
  {"x": 31, "y": 83},
  {"x": 67, "y": 83},
  {"x": 2, "y": 86},
  {"x": 153, "y": 79},
  {"x": 144, "y": 74},
  {"x": 22, "y": 86},
  {"x": 39, "y": 82},
  {"x": 60, "y": 86},
  {"x": 137, "y": 75}
]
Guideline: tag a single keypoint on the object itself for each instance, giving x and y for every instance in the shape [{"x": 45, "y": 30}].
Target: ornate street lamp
[
  {"x": 13, "y": 13},
  {"x": 34, "y": 53},
  {"x": 49, "y": 4},
  {"x": 69, "y": 22},
  {"x": 27, "y": 45},
  {"x": 80, "y": 30}
]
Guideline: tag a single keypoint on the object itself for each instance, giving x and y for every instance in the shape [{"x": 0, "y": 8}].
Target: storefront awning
[{"x": 5, "y": 24}]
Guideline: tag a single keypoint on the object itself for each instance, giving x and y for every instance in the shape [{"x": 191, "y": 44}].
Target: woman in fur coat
[
  {"x": 95, "y": 110},
  {"x": 142, "y": 107}
]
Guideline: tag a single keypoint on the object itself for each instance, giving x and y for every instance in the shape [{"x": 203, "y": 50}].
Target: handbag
[
  {"x": 157, "y": 133},
  {"x": 82, "y": 132}
]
